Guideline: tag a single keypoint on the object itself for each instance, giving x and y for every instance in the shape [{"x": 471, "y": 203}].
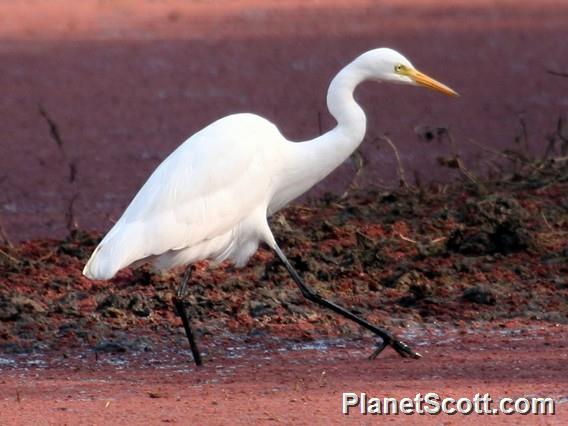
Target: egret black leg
[
  {"x": 387, "y": 338},
  {"x": 180, "y": 310}
]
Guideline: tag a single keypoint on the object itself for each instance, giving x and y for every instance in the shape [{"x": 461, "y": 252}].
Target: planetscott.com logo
[{"x": 432, "y": 403}]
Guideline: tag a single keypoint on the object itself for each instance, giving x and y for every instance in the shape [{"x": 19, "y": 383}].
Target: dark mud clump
[
  {"x": 480, "y": 295},
  {"x": 491, "y": 224}
]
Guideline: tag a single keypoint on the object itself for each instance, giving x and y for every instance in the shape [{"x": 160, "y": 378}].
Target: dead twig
[
  {"x": 558, "y": 73},
  {"x": 410, "y": 240},
  {"x": 456, "y": 161},
  {"x": 438, "y": 240},
  {"x": 337, "y": 205},
  {"x": 72, "y": 170},
  {"x": 72, "y": 166},
  {"x": 281, "y": 220},
  {"x": 548, "y": 225},
  {"x": 494, "y": 169},
  {"x": 9, "y": 257},
  {"x": 417, "y": 179},
  {"x": 505, "y": 154},
  {"x": 523, "y": 139},
  {"x": 360, "y": 163},
  {"x": 56, "y": 136},
  {"x": 47, "y": 256},
  {"x": 559, "y": 135},
  {"x": 70, "y": 218},
  {"x": 4, "y": 236},
  {"x": 399, "y": 169},
  {"x": 53, "y": 129}
]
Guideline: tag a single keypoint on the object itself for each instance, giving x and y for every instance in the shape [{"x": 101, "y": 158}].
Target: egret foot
[
  {"x": 400, "y": 347},
  {"x": 388, "y": 339}
]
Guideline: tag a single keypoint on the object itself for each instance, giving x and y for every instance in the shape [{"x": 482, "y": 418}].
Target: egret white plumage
[{"x": 211, "y": 197}]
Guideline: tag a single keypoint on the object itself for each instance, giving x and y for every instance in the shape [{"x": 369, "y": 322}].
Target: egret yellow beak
[{"x": 423, "y": 80}]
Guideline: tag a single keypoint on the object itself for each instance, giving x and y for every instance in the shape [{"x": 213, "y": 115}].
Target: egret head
[{"x": 387, "y": 65}]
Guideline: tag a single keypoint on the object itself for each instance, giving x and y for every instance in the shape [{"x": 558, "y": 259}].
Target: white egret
[{"x": 211, "y": 197}]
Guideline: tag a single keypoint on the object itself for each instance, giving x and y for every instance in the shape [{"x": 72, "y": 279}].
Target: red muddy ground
[
  {"x": 472, "y": 275},
  {"x": 281, "y": 382}
]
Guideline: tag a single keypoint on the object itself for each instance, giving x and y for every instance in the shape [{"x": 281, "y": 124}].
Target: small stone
[
  {"x": 480, "y": 295},
  {"x": 110, "y": 347},
  {"x": 8, "y": 312}
]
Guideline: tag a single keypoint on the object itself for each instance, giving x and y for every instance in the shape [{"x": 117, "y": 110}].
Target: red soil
[
  {"x": 278, "y": 383},
  {"x": 97, "y": 352}
]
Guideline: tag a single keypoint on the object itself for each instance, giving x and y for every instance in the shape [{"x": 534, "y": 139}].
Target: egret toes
[{"x": 400, "y": 347}]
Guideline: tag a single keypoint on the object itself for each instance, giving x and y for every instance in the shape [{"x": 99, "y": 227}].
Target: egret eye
[{"x": 399, "y": 68}]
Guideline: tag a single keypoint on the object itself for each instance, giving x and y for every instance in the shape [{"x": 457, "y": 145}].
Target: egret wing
[{"x": 200, "y": 191}]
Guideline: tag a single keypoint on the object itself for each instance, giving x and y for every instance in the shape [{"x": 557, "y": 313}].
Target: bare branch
[
  {"x": 546, "y": 222},
  {"x": 53, "y": 129},
  {"x": 72, "y": 166},
  {"x": 456, "y": 161},
  {"x": 360, "y": 162},
  {"x": 9, "y": 257},
  {"x": 417, "y": 179},
  {"x": 562, "y": 135},
  {"x": 557, "y": 73},
  {"x": 523, "y": 138},
  {"x": 4, "y": 236},
  {"x": 73, "y": 170},
  {"x": 410, "y": 240},
  {"x": 505, "y": 154},
  {"x": 399, "y": 169},
  {"x": 70, "y": 218}
]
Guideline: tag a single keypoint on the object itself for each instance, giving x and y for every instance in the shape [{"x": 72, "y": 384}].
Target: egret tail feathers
[{"x": 116, "y": 251}]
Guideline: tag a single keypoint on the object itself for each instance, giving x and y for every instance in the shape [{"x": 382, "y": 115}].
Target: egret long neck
[
  {"x": 313, "y": 160},
  {"x": 331, "y": 149},
  {"x": 351, "y": 120}
]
